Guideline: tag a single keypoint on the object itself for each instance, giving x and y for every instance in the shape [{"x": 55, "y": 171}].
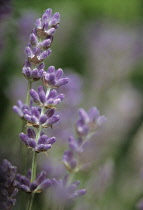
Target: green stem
[
  {"x": 23, "y": 149},
  {"x": 33, "y": 173},
  {"x": 27, "y": 94},
  {"x": 29, "y": 207}
]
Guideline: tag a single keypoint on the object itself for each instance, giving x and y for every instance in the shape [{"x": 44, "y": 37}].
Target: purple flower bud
[
  {"x": 52, "y": 22},
  {"x": 52, "y": 120},
  {"x": 62, "y": 82},
  {"x": 59, "y": 74},
  {"x": 45, "y": 184},
  {"x": 43, "y": 119},
  {"x": 51, "y": 31},
  {"x": 35, "y": 112},
  {"x": 33, "y": 186},
  {"x": 51, "y": 79},
  {"x": 18, "y": 111},
  {"x": 34, "y": 120},
  {"x": 46, "y": 15},
  {"x": 25, "y": 188},
  {"x": 43, "y": 147},
  {"x": 42, "y": 139},
  {"x": 80, "y": 192},
  {"x": 35, "y": 74},
  {"x": 45, "y": 54},
  {"x": 51, "y": 69},
  {"x": 33, "y": 40},
  {"x": 24, "y": 138},
  {"x": 101, "y": 120},
  {"x": 29, "y": 52},
  {"x": 94, "y": 113},
  {"x": 42, "y": 97},
  {"x": 48, "y": 12},
  {"x": 31, "y": 133},
  {"x": 46, "y": 44},
  {"x": 52, "y": 140},
  {"x": 31, "y": 143},
  {"x": 50, "y": 113},
  {"x": 27, "y": 117},
  {"x": 39, "y": 23},
  {"x": 25, "y": 181},
  {"x": 41, "y": 66},
  {"x": 57, "y": 16},
  {"x": 34, "y": 95},
  {"x": 41, "y": 177}
]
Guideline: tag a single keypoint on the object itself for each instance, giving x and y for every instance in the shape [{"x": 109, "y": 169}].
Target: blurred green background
[{"x": 102, "y": 41}]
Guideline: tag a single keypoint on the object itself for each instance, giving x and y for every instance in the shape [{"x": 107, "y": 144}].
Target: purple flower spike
[
  {"x": 69, "y": 160},
  {"x": 64, "y": 192},
  {"x": 53, "y": 78},
  {"x": 39, "y": 44},
  {"x": 89, "y": 121},
  {"x": 36, "y": 186}
]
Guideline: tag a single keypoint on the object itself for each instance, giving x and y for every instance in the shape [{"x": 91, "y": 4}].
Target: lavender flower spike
[
  {"x": 39, "y": 44},
  {"x": 89, "y": 121},
  {"x": 64, "y": 192}
]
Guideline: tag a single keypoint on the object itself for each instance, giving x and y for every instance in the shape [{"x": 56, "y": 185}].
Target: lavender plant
[{"x": 39, "y": 113}]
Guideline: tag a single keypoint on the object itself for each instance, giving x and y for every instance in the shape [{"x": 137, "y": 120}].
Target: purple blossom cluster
[
  {"x": 86, "y": 127},
  {"x": 42, "y": 36},
  {"x": 49, "y": 101},
  {"x": 65, "y": 192},
  {"x": 89, "y": 121},
  {"x": 42, "y": 145},
  {"x": 40, "y": 183},
  {"x": 8, "y": 185}
]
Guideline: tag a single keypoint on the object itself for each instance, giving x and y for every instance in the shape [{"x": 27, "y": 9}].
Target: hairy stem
[{"x": 27, "y": 93}]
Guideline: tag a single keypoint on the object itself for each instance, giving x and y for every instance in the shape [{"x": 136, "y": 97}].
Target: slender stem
[
  {"x": 23, "y": 149},
  {"x": 27, "y": 94},
  {"x": 34, "y": 159},
  {"x": 29, "y": 207},
  {"x": 72, "y": 174},
  {"x": 33, "y": 173}
]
